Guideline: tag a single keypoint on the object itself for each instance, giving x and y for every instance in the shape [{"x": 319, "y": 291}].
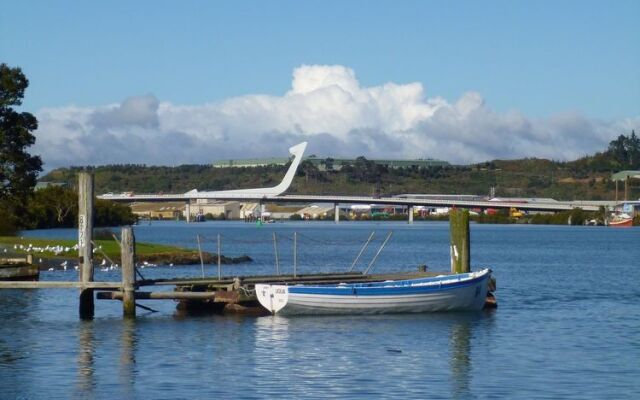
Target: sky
[{"x": 168, "y": 83}]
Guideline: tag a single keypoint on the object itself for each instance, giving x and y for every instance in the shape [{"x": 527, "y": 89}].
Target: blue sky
[{"x": 538, "y": 58}]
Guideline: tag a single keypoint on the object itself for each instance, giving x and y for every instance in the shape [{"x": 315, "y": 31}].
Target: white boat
[{"x": 458, "y": 292}]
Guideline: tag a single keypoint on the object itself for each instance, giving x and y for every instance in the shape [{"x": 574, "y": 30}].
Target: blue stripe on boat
[{"x": 406, "y": 287}]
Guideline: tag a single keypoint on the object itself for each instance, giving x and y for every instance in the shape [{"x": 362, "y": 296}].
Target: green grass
[{"x": 109, "y": 247}]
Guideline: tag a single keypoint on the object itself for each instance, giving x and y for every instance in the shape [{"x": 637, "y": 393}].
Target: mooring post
[
  {"x": 85, "y": 238},
  {"x": 275, "y": 250},
  {"x": 410, "y": 215},
  {"x": 295, "y": 254},
  {"x": 219, "y": 258},
  {"x": 200, "y": 253},
  {"x": 127, "y": 249},
  {"x": 460, "y": 241}
]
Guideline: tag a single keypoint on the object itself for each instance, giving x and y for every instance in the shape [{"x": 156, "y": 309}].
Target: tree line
[{"x": 20, "y": 206}]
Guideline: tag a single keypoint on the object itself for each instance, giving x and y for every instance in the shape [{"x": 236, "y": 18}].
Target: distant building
[
  {"x": 228, "y": 209},
  {"x": 250, "y": 162},
  {"x": 316, "y": 211},
  {"x": 336, "y": 164},
  {"x": 249, "y": 210},
  {"x": 44, "y": 185},
  {"x": 328, "y": 163},
  {"x": 167, "y": 210}
]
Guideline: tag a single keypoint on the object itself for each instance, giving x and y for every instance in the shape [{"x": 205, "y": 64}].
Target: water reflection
[
  {"x": 412, "y": 354},
  {"x": 86, "y": 368},
  {"x": 127, "y": 358},
  {"x": 460, "y": 359}
]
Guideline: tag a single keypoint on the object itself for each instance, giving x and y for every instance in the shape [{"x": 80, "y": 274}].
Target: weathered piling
[
  {"x": 127, "y": 248},
  {"x": 85, "y": 239},
  {"x": 460, "y": 241}
]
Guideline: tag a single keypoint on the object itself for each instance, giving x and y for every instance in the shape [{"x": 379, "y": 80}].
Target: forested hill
[{"x": 585, "y": 178}]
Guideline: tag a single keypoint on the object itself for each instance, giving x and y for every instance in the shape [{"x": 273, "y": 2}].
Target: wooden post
[
  {"x": 219, "y": 257},
  {"x": 295, "y": 254},
  {"x": 85, "y": 237},
  {"x": 460, "y": 241},
  {"x": 127, "y": 249},
  {"x": 200, "y": 253},
  {"x": 275, "y": 250}
]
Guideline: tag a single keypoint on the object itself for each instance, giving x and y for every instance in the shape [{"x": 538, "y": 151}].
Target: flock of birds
[{"x": 58, "y": 250}]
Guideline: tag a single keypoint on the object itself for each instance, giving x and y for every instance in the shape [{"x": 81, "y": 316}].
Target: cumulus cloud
[{"x": 327, "y": 106}]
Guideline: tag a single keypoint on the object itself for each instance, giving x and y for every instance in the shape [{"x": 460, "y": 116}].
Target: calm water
[{"x": 567, "y": 326}]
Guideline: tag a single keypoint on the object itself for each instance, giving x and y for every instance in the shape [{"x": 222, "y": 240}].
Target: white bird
[
  {"x": 50, "y": 269},
  {"x": 104, "y": 261}
]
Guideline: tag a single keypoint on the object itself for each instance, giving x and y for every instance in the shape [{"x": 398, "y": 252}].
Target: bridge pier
[
  {"x": 410, "y": 209},
  {"x": 336, "y": 216}
]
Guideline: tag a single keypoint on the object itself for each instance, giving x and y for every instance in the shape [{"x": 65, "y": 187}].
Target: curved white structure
[{"x": 297, "y": 151}]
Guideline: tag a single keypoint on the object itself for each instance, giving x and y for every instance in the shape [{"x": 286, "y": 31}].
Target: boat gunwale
[{"x": 435, "y": 284}]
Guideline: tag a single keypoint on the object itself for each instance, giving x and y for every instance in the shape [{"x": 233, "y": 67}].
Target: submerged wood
[{"x": 22, "y": 271}]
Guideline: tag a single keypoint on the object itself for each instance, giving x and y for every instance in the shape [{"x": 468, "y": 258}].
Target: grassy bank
[{"x": 61, "y": 249}]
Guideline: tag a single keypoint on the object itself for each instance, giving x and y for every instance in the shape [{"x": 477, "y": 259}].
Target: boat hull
[
  {"x": 621, "y": 223},
  {"x": 462, "y": 292}
]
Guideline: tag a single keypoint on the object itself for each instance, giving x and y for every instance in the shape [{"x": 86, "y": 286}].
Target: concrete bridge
[
  {"x": 189, "y": 197},
  {"x": 275, "y": 195}
]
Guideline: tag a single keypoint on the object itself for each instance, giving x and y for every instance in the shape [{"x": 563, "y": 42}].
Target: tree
[
  {"x": 18, "y": 169},
  {"x": 626, "y": 150},
  {"x": 633, "y": 150}
]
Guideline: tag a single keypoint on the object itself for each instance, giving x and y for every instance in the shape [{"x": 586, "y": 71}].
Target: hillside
[{"x": 586, "y": 178}]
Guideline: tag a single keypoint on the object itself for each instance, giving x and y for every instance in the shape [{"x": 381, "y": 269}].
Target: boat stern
[{"x": 272, "y": 297}]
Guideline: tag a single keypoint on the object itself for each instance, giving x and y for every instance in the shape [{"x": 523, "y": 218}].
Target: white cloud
[{"x": 327, "y": 106}]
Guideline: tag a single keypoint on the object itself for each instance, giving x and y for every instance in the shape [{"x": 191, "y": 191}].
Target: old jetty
[
  {"x": 18, "y": 269},
  {"x": 222, "y": 294}
]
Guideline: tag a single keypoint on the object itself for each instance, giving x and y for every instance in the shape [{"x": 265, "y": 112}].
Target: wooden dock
[
  {"x": 18, "y": 269},
  {"x": 237, "y": 294},
  {"x": 224, "y": 294}
]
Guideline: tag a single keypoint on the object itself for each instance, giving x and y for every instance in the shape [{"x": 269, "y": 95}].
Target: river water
[{"x": 567, "y": 326}]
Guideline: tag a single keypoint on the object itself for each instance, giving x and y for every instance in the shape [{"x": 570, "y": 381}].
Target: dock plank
[{"x": 59, "y": 285}]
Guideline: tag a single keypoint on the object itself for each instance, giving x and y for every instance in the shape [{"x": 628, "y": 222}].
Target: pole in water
[
  {"x": 219, "y": 268},
  {"x": 366, "y": 271},
  {"x": 362, "y": 251},
  {"x": 295, "y": 253},
  {"x": 275, "y": 250},
  {"x": 460, "y": 241},
  {"x": 85, "y": 233},
  {"x": 200, "y": 252},
  {"x": 127, "y": 249}
]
